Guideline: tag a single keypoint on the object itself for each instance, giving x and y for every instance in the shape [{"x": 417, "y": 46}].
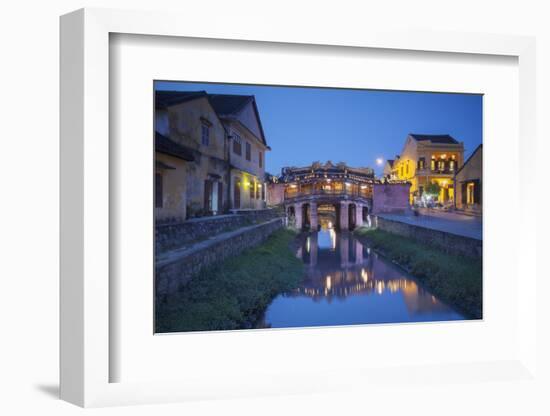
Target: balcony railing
[{"x": 426, "y": 171}]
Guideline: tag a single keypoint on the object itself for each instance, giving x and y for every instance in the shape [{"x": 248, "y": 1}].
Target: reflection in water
[{"x": 346, "y": 283}]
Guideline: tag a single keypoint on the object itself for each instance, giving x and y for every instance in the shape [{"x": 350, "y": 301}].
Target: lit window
[
  {"x": 252, "y": 189},
  {"x": 452, "y": 165},
  {"x": 432, "y": 164},
  {"x": 470, "y": 193}
]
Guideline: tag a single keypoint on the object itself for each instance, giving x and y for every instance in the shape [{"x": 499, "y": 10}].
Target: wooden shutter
[
  {"x": 463, "y": 187},
  {"x": 477, "y": 192},
  {"x": 207, "y": 195},
  {"x": 237, "y": 195},
  {"x": 220, "y": 197},
  {"x": 158, "y": 190}
]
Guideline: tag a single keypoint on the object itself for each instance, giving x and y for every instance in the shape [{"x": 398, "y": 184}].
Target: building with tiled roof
[
  {"x": 429, "y": 162},
  {"x": 221, "y": 139}
]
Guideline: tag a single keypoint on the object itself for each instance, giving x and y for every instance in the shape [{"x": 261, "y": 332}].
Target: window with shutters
[
  {"x": 252, "y": 189},
  {"x": 158, "y": 190},
  {"x": 261, "y": 159},
  {"x": 248, "y": 151}
]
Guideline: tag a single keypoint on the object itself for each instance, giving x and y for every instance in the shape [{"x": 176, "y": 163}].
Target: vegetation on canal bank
[
  {"x": 456, "y": 280},
  {"x": 234, "y": 294}
]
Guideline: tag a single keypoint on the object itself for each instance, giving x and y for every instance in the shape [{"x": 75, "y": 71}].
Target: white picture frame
[{"x": 85, "y": 210}]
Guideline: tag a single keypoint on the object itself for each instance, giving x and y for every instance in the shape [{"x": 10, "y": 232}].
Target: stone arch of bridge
[{"x": 349, "y": 213}]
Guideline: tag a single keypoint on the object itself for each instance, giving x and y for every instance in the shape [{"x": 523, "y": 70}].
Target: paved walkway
[
  {"x": 171, "y": 256},
  {"x": 450, "y": 222}
]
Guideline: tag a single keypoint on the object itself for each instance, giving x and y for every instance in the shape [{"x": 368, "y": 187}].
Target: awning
[
  {"x": 162, "y": 165},
  {"x": 167, "y": 146}
]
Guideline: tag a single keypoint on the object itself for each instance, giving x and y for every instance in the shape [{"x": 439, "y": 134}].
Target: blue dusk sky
[{"x": 303, "y": 125}]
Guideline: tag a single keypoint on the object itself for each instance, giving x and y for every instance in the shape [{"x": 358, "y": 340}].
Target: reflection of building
[
  {"x": 221, "y": 140},
  {"x": 345, "y": 189},
  {"x": 468, "y": 183},
  {"x": 430, "y": 159},
  {"x": 346, "y": 268}
]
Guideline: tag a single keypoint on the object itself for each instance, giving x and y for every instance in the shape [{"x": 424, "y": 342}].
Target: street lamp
[{"x": 379, "y": 161}]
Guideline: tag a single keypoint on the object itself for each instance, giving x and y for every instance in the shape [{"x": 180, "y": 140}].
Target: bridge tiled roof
[{"x": 319, "y": 170}]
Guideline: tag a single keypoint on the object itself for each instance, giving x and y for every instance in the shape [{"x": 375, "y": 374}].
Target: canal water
[{"x": 347, "y": 283}]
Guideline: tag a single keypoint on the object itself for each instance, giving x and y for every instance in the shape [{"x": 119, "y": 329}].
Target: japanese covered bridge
[{"x": 342, "y": 191}]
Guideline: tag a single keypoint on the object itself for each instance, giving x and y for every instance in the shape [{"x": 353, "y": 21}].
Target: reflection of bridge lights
[
  {"x": 308, "y": 244},
  {"x": 380, "y": 287},
  {"x": 364, "y": 275},
  {"x": 328, "y": 282},
  {"x": 332, "y": 235}
]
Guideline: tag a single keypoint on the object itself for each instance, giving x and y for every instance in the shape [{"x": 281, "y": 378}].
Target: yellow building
[
  {"x": 171, "y": 163},
  {"x": 429, "y": 159},
  {"x": 468, "y": 183},
  {"x": 215, "y": 160},
  {"x": 247, "y": 149},
  {"x": 189, "y": 121}
]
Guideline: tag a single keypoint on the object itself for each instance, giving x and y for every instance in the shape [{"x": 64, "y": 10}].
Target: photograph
[{"x": 298, "y": 207}]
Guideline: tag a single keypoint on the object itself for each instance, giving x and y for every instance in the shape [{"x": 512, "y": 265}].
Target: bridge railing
[{"x": 295, "y": 193}]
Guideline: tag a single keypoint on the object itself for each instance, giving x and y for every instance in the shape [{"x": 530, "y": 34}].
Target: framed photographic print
[
  {"x": 372, "y": 238},
  {"x": 234, "y": 208}
]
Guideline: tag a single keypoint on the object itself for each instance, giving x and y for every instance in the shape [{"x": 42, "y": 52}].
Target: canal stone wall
[
  {"x": 448, "y": 242},
  {"x": 175, "y": 268},
  {"x": 170, "y": 236}
]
